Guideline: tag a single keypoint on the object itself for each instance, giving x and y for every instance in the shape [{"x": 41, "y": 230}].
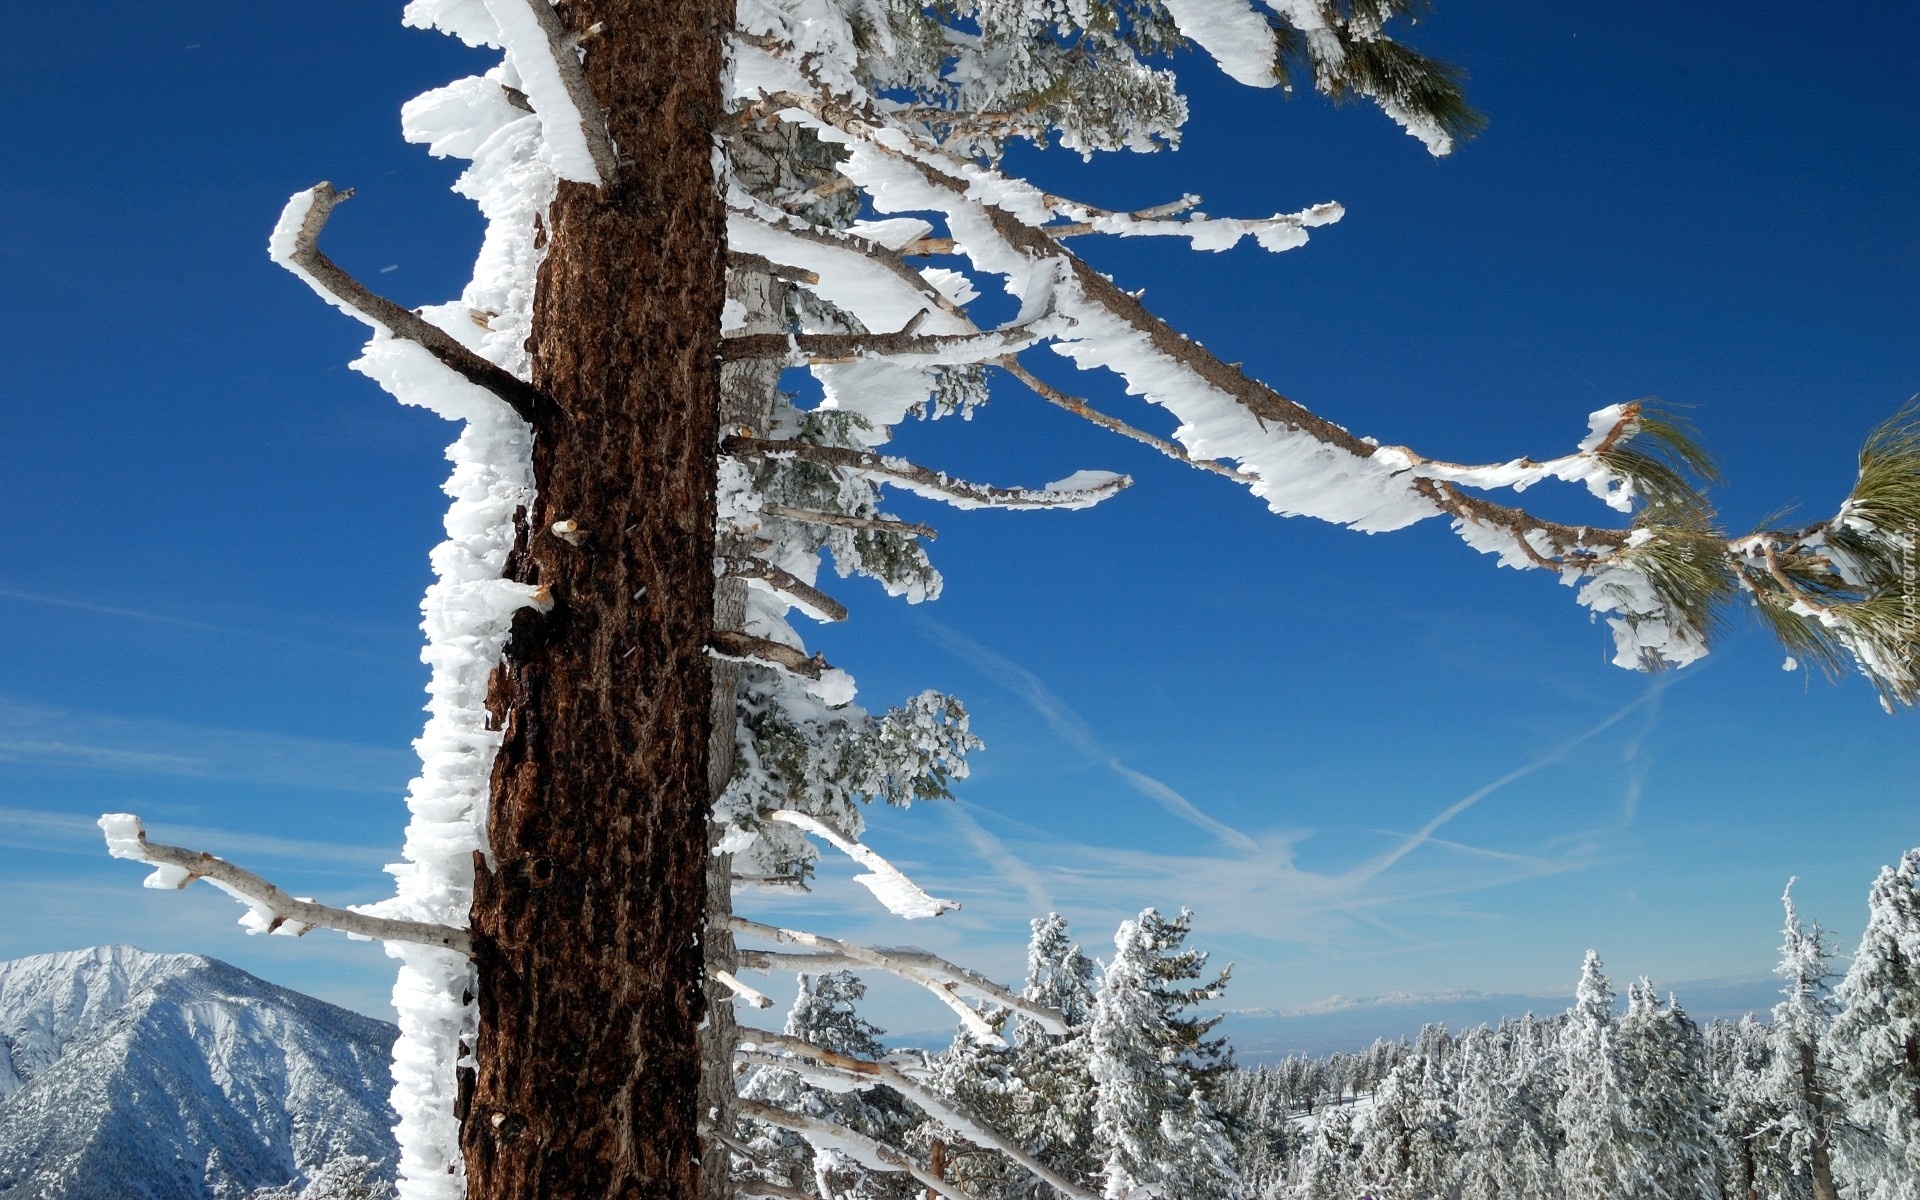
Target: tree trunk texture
[
  {"x": 588, "y": 921},
  {"x": 1820, "y": 1164},
  {"x": 747, "y": 393}
]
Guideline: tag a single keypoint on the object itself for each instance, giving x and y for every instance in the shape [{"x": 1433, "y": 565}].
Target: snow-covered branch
[
  {"x": 944, "y": 979},
  {"x": 809, "y": 599},
  {"x": 825, "y": 681},
  {"x": 823, "y": 1136},
  {"x": 546, "y": 56},
  {"x": 928, "y": 349},
  {"x": 1080, "y": 490},
  {"x": 732, "y": 983},
  {"x": 813, "y": 517},
  {"x": 780, "y": 1050},
  {"x": 1080, "y": 408},
  {"x": 271, "y": 910},
  {"x": 902, "y": 896},
  {"x": 295, "y": 245}
]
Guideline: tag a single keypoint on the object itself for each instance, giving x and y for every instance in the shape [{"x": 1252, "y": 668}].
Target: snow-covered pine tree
[
  {"x": 1875, "y": 1040},
  {"x": 1798, "y": 1084},
  {"x": 1740, "y": 1063},
  {"x": 1153, "y": 1067},
  {"x": 1663, "y": 1059},
  {"x": 593, "y": 688},
  {"x": 1410, "y": 1142},
  {"x": 1594, "y": 1110},
  {"x": 1507, "y": 1137},
  {"x": 1052, "y": 1113}
]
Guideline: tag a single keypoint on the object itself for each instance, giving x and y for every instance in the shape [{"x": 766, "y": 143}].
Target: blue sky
[{"x": 218, "y": 534}]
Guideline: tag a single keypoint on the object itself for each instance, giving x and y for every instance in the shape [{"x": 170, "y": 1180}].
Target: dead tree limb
[
  {"x": 558, "y": 52},
  {"x": 813, "y": 517},
  {"x": 809, "y": 599},
  {"x": 295, "y": 246},
  {"x": 766, "y": 652},
  {"x": 911, "y": 963},
  {"x": 273, "y": 910},
  {"x": 933, "y": 484}
]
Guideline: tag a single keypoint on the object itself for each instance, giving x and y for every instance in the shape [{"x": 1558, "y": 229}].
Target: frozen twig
[
  {"x": 847, "y": 521},
  {"x": 295, "y": 245},
  {"x": 780, "y": 1050},
  {"x": 740, "y": 260},
  {"x": 826, "y": 349},
  {"x": 933, "y": 484},
  {"x": 869, "y": 1153},
  {"x": 930, "y": 971},
  {"x": 733, "y": 984},
  {"x": 902, "y": 896},
  {"x": 809, "y": 599},
  {"x": 272, "y": 910},
  {"x": 544, "y": 52},
  {"x": 745, "y": 647},
  {"x": 1080, "y": 408}
]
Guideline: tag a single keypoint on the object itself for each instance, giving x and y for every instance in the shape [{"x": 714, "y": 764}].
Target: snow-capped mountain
[{"x": 126, "y": 1075}]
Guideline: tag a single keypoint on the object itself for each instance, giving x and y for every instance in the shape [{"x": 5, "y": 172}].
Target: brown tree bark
[{"x": 588, "y": 923}]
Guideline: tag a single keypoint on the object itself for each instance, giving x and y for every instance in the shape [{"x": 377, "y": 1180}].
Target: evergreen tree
[
  {"x": 1507, "y": 1136},
  {"x": 1155, "y": 1068},
  {"x": 1798, "y": 1083},
  {"x": 1663, "y": 1059},
  {"x": 1409, "y": 1142},
  {"x": 1876, "y": 1040},
  {"x": 1595, "y": 1161},
  {"x": 1052, "y": 1112}
]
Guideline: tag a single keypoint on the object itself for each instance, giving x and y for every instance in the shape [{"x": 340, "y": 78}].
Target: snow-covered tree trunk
[{"x": 587, "y": 916}]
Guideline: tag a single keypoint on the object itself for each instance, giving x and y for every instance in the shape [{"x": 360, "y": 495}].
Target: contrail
[
  {"x": 1413, "y": 842},
  {"x": 1071, "y": 728}
]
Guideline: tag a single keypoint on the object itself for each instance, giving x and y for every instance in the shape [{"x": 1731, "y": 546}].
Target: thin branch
[
  {"x": 813, "y": 517},
  {"x": 740, "y": 260},
  {"x": 920, "y": 480},
  {"x": 827, "y": 349},
  {"x": 872, "y": 1154},
  {"x": 948, "y": 1112},
  {"x": 1081, "y": 408},
  {"x": 928, "y": 970},
  {"x": 902, "y": 896},
  {"x": 560, "y": 46},
  {"x": 784, "y": 883},
  {"x": 866, "y": 253},
  {"x": 733, "y": 984},
  {"x": 750, "y": 1186},
  {"x": 811, "y": 600},
  {"x": 745, "y": 647},
  {"x": 272, "y": 909},
  {"x": 295, "y": 246}
]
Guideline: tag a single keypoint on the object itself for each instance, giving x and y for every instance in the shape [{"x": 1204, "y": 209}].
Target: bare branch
[
  {"x": 902, "y": 896},
  {"x": 745, "y": 647},
  {"x": 1081, "y": 408},
  {"x": 740, "y": 260},
  {"x": 733, "y": 984},
  {"x": 561, "y": 56},
  {"x": 813, "y": 517},
  {"x": 928, "y": 970},
  {"x": 874, "y": 1155},
  {"x": 295, "y": 246},
  {"x": 825, "y": 349},
  {"x": 272, "y": 909},
  {"x": 785, "y": 883},
  {"x": 748, "y": 1185},
  {"x": 948, "y": 1112},
  {"x": 811, "y": 600},
  {"x": 932, "y": 484}
]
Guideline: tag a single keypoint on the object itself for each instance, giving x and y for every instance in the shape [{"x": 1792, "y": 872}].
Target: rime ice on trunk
[{"x": 587, "y": 919}]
